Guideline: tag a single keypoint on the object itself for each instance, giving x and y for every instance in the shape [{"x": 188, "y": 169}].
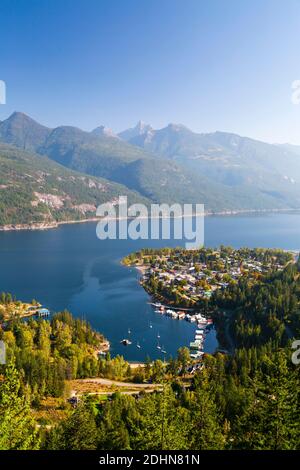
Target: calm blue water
[{"x": 70, "y": 268}]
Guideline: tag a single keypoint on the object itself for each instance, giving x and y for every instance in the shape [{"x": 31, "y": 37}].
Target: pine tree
[
  {"x": 162, "y": 424},
  {"x": 271, "y": 421},
  {"x": 77, "y": 432},
  {"x": 17, "y": 428},
  {"x": 207, "y": 432}
]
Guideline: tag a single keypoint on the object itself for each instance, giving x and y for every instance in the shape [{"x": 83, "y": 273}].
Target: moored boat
[{"x": 125, "y": 341}]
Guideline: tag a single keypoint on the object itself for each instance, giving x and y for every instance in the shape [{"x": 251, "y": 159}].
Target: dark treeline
[
  {"x": 259, "y": 310},
  {"x": 250, "y": 401}
]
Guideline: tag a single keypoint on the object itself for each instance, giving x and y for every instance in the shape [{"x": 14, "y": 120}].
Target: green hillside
[
  {"x": 34, "y": 189},
  {"x": 224, "y": 171}
]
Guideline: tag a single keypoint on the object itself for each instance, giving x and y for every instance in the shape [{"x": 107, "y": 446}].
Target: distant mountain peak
[
  {"x": 23, "y": 131},
  {"x": 21, "y": 117},
  {"x": 16, "y": 114},
  {"x": 177, "y": 127},
  {"x": 141, "y": 128},
  {"x": 17, "y": 118},
  {"x": 103, "y": 131}
]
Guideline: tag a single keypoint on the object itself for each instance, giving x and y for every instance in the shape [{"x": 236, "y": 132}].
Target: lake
[{"x": 69, "y": 267}]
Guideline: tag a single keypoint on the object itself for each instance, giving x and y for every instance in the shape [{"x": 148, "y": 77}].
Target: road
[
  {"x": 123, "y": 392},
  {"x": 121, "y": 387},
  {"x": 109, "y": 383}
]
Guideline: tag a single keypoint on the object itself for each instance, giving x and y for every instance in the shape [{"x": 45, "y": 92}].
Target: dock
[{"x": 156, "y": 304}]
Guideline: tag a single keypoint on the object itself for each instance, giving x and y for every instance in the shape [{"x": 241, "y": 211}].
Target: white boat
[
  {"x": 163, "y": 350},
  {"x": 197, "y": 355},
  {"x": 138, "y": 345},
  {"x": 199, "y": 337},
  {"x": 169, "y": 312},
  {"x": 126, "y": 342}
]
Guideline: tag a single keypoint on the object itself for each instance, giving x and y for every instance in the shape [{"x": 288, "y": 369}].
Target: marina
[{"x": 203, "y": 326}]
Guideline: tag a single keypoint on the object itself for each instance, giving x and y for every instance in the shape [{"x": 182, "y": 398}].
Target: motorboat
[{"x": 125, "y": 341}]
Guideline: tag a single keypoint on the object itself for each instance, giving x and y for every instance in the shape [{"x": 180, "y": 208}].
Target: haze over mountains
[{"x": 224, "y": 171}]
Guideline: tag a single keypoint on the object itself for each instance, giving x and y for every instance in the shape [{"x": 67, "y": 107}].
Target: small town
[
  {"x": 182, "y": 282},
  {"x": 184, "y": 278}
]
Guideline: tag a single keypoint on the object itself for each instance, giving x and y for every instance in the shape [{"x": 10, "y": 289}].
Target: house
[
  {"x": 74, "y": 401},
  {"x": 43, "y": 312}
]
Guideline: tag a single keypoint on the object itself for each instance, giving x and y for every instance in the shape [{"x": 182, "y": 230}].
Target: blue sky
[{"x": 208, "y": 64}]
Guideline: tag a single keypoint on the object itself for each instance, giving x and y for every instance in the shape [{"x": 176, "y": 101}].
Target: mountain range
[{"x": 224, "y": 171}]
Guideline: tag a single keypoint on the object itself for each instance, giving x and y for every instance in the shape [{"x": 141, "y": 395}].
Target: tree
[
  {"x": 207, "y": 433},
  {"x": 43, "y": 337},
  {"x": 157, "y": 371},
  {"x": 17, "y": 428},
  {"x": 271, "y": 420},
  {"x": 162, "y": 423},
  {"x": 77, "y": 432},
  {"x": 116, "y": 422},
  {"x": 184, "y": 359}
]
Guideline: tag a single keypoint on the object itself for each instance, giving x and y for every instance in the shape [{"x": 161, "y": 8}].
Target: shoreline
[
  {"x": 43, "y": 226},
  {"x": 56, "y": 224}
]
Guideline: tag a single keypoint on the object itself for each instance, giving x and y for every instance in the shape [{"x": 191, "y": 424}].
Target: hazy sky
[{"x": 209, "y": 64}]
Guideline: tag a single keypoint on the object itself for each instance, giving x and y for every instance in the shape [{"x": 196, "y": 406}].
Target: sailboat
[
  {"x": 163, "y": 350},
  {"x": 158, "y": 346},
  {"x": 158, "y": 335},
  {"x": 150, "y": 325},
  {"x": 138, "y": 345}
]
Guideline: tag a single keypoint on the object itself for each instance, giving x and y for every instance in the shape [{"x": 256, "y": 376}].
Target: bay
[{"x": 70, "y": 268}]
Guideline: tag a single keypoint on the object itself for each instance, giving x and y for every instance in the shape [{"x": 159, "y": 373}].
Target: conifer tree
[
  {"x": 77, "y": 432},
  {"x": 17, "y": 428}
]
